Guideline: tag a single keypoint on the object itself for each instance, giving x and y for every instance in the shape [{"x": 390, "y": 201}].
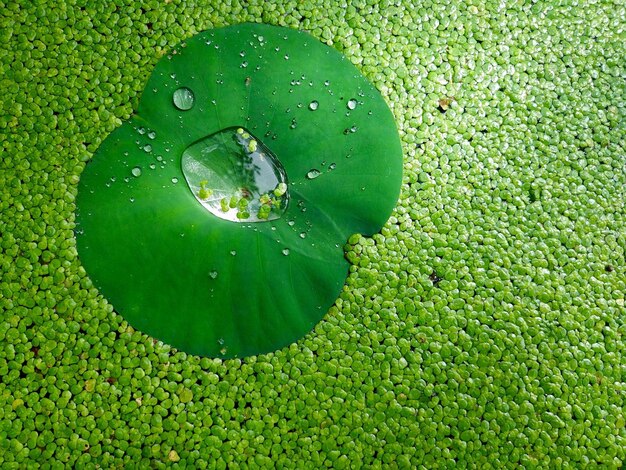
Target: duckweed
[{"x": 482, "y": 327}]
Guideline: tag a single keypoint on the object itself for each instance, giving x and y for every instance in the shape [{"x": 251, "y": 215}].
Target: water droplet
[
  {"x": 353, "y": 129},
  {"x": 213, "y": 274},
  {"x": 351, "y": 104},
  {"x": 261, "y": 38},
  {"x": 141, "y": 130},
  {"x": 244, "y": 64},
  {"x": 159, "y": 158},
  {"x": 147, "y": 148},
  {"x": 152, "y": 166},
  {"x": 286, "y": 251},
  {"x": 313, "y": 173},
  {"x": 302, "y": 234},
  {"x": 291, "y": 223},
  {"x": 220, "y": 341},
  {"x": 152, "y": 135},
  {"x": 126, "y": 179},
  {"x": 132, "y": 199},
  {"x": 233, "y": 253},
  {"x": 236, "y": 177},
  {"x": 174, "y": 180},
  {"x": 294, "y": 124},
  {"x": 136, "y": 171},
  {"x": 173, "y": 76},
  {"x": 183, "y": 99},
  {"x": 286, "y": 57},
  {"x": 313, "y": 105},
  {"x": 327, "y": 83},
  {"x": 242, "y": 53},
  {"x": 332, "y": 166},
  {"x": 223, "y": 351}
]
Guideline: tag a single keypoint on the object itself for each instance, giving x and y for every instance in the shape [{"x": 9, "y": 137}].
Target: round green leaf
[{"x": 224, "y": 247}]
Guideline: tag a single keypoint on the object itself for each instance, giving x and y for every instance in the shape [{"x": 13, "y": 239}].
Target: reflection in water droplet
[
  {"x": 236, "y": 177},
  {"x": 286, "y": 251},
  {"x": 213, "y": 274},
  {"x": 352, "y": 104},
  {"x": 147, "y": 148},
  {"x": 174, "y": 180},
  {"x": 183, "y": 99},
  {"x": 312, "y": 174},
  {"x": 313, "y": 105},
  {"x": 152, "y": 135},
  {"x": 141, "y": 130},
  {"x": 332, "y": 166},
  {"x": 136, "y": 171}
]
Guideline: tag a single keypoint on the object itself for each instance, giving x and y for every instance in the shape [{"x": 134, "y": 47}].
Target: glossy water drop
[
  {"x": 136, "y": 172},
  {"x": 152, "y": 166},
  {"x": 313, "y": 173},
  {"x": 326, "y": 83},
  {"x": 302, "y": 234},
  {"x": 294, "y": 124},
  {"x": 141, "y": 130},
  {"x": 236, "y": 177},
  {"x": 147, "y": 148},
  {"x": 244, "y": 64},
  {"x": 174, "y": 180},
  {"x": 213, "y": 274},
  {"x": 332, "y": 166},
  {"x": 291, "y": 223},
  {"x": 313, "y": 105},
  {"x": 286, "y": 251},
  {"x": 351, "y": 104},
  {"x": 132, "y": 199},
  {"x": 183, "y": 99},
  {"x": 152, "y": 135},
  {"x": 242, "y": 53},
  {"x": 233, "y": 253},
  {"x": 286, "y": 57}
]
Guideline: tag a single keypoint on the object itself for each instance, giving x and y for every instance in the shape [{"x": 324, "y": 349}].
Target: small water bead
[
  {"x": 313, "y": 173},
  {"x": 313, "y": 105},
  {"x": 351, "y": 104},
  {"x": 183, "y": 98},
  {"x": 141, "y": 130},
  {"x": 332, "y": 166},
  {"x": 302, "y": 234},
  {"x": 136, "y": 172},
  {"x": 242, "y": 53},
  {"x": 286, "y": 57},
  {"x": 152, "y": 166},
  {"x": 286, "y": 251},
  {"x": 147, "y": 148},
  {"x": 159, "y": 158},
  {"x": 326, "y": 83},
  {"x": 291, "y": 223},
  {"x": 244, "y": 64},
  {"x": 174, "y": 180},
  {"x": 152, "y": 135},
  {"x": 132, "y": 199},
  {"x": 233, "y": 253},
  {"x": 294, "y": 124},
  {"x": 213, "y": 274}
]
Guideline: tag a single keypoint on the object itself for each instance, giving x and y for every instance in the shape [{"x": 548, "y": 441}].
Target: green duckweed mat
[{"x": 482, "y": 327}]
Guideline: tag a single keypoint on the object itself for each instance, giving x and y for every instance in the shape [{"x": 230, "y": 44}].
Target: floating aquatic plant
[{"x": 215, "y": 218}]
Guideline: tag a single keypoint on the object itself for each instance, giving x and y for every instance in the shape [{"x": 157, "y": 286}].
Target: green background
[{"x": 484, "y": 326}]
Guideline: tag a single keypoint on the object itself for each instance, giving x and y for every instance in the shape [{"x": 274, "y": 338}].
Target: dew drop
[
  {"x": 244, "y": 64},
  {"x": 313, "y": 173},
  {"x": 136, "y": 172},
  {"x": 174, "y": 180},
  {"x": 351, "y": 104},
  {"x": 242, "y": 53},
  {"x": 326, "y": 83},
  {"x": 294, "y": 124},
  {"x": 141, "y": 130},
  {"x": 332, "y": 166},
  {"x": 261, "y": 38},
  {"x": 302, "y": 234},
  {"x": 132, "y": 199},
  {"x": 213, "y": 274},
  {"x": 152, "y": 166},
  {"x": 291, "y": 223},
  {"x": 286, "y": 57},
  {"x": 152, "y": 135},
  {"x": 313, "y": 105},
  {"x": 286, "y": 251},
  {"x": 147, "y": 148},
  {"x": 183, "y": 99}
]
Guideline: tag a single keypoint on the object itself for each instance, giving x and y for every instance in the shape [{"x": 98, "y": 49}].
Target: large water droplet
[
  {"x": 136, "y": 172},
  {"x": 313, "y": 105},
  {"x": 236, "y": 177},
  {"x": 352, "y": 104},
  {"x": 183, "y": 98},
  {"x": 313, "y": 173}
]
